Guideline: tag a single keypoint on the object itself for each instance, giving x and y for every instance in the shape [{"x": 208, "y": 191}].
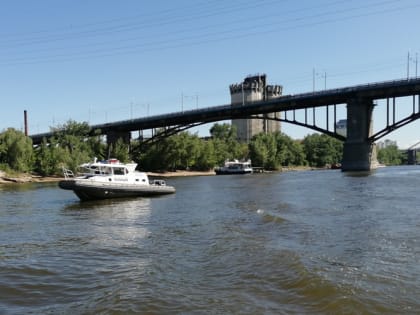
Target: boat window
[{"x": 118, "y": 171}]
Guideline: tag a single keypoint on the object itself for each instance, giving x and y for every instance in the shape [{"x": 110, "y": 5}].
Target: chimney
[{"x": 25, "y": 117}]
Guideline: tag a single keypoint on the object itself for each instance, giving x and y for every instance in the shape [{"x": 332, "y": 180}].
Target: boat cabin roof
[{"x": 111, "y": 166}]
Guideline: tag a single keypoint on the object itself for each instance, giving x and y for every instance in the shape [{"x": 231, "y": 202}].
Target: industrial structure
[{"x": 252, "y": 89}]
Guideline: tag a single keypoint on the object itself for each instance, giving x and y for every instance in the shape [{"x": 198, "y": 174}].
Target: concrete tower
[{"x": 254, "y": 88}]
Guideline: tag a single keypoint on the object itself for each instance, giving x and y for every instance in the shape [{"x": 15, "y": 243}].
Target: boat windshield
[
  {"x": 120, "y": 171},
  {"x": 96, "y": 170}
]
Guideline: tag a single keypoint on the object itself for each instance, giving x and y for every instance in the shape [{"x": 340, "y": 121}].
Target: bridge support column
[
  {"x": 113, "y": 136},
  {"x": 359, "y": 153},
  {"x": 412, "y": 157}
]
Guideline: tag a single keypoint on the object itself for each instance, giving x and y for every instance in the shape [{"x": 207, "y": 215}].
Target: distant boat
[
  {"x": 336, "y": 166},
  {"x": 234, "y": 167},
  {"x": 112, "y": 179}
]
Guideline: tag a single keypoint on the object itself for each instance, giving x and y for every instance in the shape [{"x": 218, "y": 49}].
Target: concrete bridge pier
[
  {"x": 359, "y": 153},
  {"x": 113, "y": 136},
  {"x": 411, "y": 157}
]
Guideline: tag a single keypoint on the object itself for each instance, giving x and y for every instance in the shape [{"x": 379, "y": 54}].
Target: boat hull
[
  {"x": 95, "y": 191},
  {"x": 229, "y": 172}
]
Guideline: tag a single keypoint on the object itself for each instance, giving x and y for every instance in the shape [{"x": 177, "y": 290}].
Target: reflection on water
[
  {"x": 320, "y": 242},
  {"x": 119, "y": 222}
]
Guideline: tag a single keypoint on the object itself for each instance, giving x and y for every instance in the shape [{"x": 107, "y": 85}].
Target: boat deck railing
[{"x": 68, "y": 173}]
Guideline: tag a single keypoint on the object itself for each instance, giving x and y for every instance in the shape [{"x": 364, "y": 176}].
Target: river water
[{"x": 307, "y": 242}]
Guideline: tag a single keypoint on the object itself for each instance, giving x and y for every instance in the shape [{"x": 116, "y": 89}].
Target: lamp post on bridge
[
  {"x": 415, "y": 61},
  {"x": 195, "y": 96},
  {"x": 323, "y": 75}
]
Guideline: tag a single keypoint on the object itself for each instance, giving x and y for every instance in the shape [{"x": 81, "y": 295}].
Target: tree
[
  {"x": 321, "y": 150},
  {"x": 289, "y": 151},
  {"x": 226, "y": 147},
  {"x": 206, "y": 158},
  {"x": 390, "y": 155},
  {"x": 180, "y": 151},
  {"x": 263, "y": 151},
  {"x": 120, "y": 151},
  {"x": 16, "y": 150},
  {"x": 72, "y": 145},
  {"x": 274, "y": 150},
  {"x": 223, "y": 132},
  {"x": 50, "y": 158}
]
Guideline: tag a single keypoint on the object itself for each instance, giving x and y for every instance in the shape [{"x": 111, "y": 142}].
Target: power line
[
  {"x": 164, "y": 21},
  {"x": 202, "y": 38}
]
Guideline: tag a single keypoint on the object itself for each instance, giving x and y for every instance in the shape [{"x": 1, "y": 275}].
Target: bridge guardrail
[{"x": 358, "y": 87}]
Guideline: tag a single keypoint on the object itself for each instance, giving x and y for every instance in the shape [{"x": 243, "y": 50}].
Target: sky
[{"x": 101, "y": 61}]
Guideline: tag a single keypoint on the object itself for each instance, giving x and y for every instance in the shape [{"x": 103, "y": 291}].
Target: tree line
[{"x": 73, "y": 144}]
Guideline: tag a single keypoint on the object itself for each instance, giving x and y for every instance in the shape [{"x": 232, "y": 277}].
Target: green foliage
[
  {"x": 390, "y": 155},
  {"x": 50, "y": 158},
  {"x": 224, "y": 132},
  {"x": 262, "y": 151},
  {"x": 74, "y": 143},
  {"x": 289, "y": 151},
  {"x": 322, "y": 150},
  {"x": 181, "y": 151},
  {"x": 97, "y": 145},
  {"x": 120, "y": 151},
  {"x": 226, "y": 147},
  {"x": 272, "y": 151},
  {"x": 185, "y": 151},
  {"x": 206, "y": 157},
  {"x": 16, "y": 150},
  {"x": 73, "y": 128}
]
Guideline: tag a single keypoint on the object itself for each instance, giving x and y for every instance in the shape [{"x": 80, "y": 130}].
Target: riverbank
[
  {"x": 181, "y": 173},
  {"x": 21, "y": 178}
]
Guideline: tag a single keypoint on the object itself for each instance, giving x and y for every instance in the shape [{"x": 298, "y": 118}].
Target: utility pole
[
  {"x": 25, "y": 120},
  {"x": 415, "y": 61},
  {"x": 314, "y": 75},
  {"x": 182, "y": 102},
  {"x": 408, "y": 65},
  {"x": 325, "y": 80},
  {"x": 313, "y": 79}
]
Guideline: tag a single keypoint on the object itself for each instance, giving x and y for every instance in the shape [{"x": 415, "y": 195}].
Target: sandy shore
[
  {"x": 26, "y": 178},
  {"x": 30, "y": 178}
]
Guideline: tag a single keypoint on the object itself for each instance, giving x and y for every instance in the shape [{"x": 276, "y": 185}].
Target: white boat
[
  {"x": 112, "y": 179},
  {"x": 234, "y": 167}
]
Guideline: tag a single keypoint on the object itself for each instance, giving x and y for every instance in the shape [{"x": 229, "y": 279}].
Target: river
[{"x": 307, "y": 242}]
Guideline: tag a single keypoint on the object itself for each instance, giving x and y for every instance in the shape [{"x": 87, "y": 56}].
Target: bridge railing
[{"x": 358, "y": 88}]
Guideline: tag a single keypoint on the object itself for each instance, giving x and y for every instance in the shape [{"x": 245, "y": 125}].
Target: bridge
[
  {"x": 359, "y": 151},
  {"x": 412, "y": 153}
]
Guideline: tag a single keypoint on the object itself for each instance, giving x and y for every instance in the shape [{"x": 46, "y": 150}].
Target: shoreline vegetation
[
  {"x": 73, "y": 145},
  {"x": 22, "y": 178}
]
